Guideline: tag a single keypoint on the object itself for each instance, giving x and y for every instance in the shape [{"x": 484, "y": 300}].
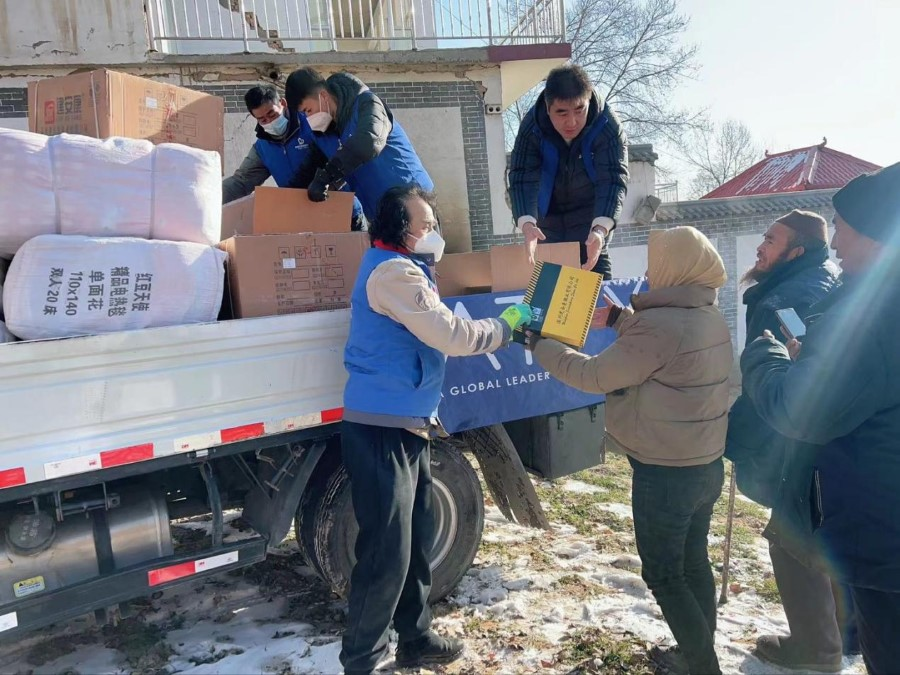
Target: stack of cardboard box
[{"x": 289, "y": 255}]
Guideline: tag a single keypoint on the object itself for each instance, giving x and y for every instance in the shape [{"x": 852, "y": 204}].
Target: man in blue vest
[
  {"x": 400, "y": 336},
  {"x": 374, "y": 153},
  {"x": 285, "y": 149},
  {"x": 569, "y": 169}
]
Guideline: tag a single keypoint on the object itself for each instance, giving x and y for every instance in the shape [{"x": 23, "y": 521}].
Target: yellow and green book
[{"x": 562, "y": 301}]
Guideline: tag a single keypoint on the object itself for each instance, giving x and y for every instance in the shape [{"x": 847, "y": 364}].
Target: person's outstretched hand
[
  {"x": 516, "y": 315},
  {"x": 533, "y": 235},
  {"x": 318, "y": 189}
]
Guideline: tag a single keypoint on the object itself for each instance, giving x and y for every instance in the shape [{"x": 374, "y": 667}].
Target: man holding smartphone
[
  {"x": 792, "y": 273},
  {"x": 842, "y": 396}
]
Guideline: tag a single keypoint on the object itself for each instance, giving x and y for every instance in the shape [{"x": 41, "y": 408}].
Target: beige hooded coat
[{"x": 666, "y": 375}]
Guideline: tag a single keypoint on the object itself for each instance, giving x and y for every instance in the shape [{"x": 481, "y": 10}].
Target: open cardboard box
[
  {"x": 287, "y": 254},
  {"x": 503, "y": 268},
  {"x": 271, "y": 210}
]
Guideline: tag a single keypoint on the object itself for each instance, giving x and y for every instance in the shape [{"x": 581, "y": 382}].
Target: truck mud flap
[
  {"x": 505, "y": 475},
  {"x": 143, "y": 580}
]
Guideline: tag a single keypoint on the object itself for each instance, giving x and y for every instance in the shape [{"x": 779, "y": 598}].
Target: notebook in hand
[{"x": 562, "y": 300}]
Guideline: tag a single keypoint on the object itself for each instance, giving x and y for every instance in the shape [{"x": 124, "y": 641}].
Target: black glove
[{"x": 318, "y": 189}]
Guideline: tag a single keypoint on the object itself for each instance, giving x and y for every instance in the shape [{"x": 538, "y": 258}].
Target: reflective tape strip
[
  {"x": 174, "y": 572},
  {"x": 8, "y": 621},
  {"x": 12, "y": 477},
  {"x": 294, "y": 423},
  {"x": 68, "y": 467},
  {"x": 243, "y": 433},
  {"x": 333, "y": 415},
  {"x": 129, "y": 455},
  {"x": 198, "y": 442},
  {"x": 146, "y": 451}
]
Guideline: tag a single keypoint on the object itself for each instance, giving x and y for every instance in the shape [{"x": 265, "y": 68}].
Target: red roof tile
[{"x": 813, "y": 168}]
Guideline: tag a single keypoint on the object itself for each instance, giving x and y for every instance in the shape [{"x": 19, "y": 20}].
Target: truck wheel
[{"x": 326, "y": 528}]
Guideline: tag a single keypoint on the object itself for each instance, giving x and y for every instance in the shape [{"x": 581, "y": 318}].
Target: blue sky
[{"x": 797, "y": 70}]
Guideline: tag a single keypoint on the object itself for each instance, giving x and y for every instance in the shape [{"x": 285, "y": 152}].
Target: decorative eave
[{"x": 704, "y": 209}]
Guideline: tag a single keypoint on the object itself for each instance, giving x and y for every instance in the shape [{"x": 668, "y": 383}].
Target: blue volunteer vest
[
  {"x": 283, "y": 160},
  {"x": 391, "y": 371},
  {"x": 397, "y": 164},
  {"x": 550, "y": 160}
]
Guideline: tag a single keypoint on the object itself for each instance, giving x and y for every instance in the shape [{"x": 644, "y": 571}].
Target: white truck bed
[{"x": 89, "y": 403}]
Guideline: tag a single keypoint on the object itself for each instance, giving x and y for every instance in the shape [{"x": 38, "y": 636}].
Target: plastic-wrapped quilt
[
  {"x": 62, "y": 286},
  {"x": 118, "y": 187}
]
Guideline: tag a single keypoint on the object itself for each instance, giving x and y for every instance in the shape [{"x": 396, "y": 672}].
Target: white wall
[
  {"x": 437, "y": 136},
  {"x": 501, "y": 213},
  {"x": 641, "y": 182},
  {"x": 49, "y": 32}
]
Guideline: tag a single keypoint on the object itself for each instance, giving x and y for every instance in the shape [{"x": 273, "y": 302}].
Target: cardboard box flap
[
  {"x": 509, "y": 264},
  {"x": 289, "y": 211},
  {"x": 464, "y": 273},
  {"x": 237, "y": 217}
]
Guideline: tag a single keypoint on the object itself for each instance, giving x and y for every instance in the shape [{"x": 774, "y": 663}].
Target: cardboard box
[
  {"x": 464, "y": 274},
  {"x": 271, "y": 210},
  {"x": 237, "y": 217},
  {"x": 276, "y": 274},
  {"x": 510, "y": 270},
  {"x": 104, "y": 103}
]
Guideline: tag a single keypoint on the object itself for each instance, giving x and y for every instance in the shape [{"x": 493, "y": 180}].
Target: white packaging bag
[
  {"x": 5, "y": 335},
  {"x": 118, "y": 187},
  {"x": 62, "y": 286},
  {"x": 4, "y": 265}
]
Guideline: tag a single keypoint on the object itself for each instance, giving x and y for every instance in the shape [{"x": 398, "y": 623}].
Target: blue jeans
[{"x": 672, "y": 507}]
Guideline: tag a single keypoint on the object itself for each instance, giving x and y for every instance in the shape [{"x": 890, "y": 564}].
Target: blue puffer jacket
[
  {"x": 843, "y": 395},
  {"x": 755, "y": 448}
]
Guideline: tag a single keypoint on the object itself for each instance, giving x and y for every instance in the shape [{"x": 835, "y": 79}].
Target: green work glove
[{"x": 516, "y": 315}]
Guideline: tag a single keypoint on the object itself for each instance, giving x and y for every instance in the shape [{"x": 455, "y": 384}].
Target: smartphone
[{"x": 791, "y": 322}]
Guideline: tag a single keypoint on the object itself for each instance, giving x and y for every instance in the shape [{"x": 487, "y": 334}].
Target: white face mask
[
  {"x": 432, "y": 243},
  {"x": 321, "y": 120},
  {"x": 276, "y": 127}
]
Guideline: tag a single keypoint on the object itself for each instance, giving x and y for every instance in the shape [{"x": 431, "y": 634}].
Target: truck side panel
[{"x": 84, "y": 404}]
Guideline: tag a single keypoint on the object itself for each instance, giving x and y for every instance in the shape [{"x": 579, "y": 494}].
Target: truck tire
[{"x": 326, "y": 527}]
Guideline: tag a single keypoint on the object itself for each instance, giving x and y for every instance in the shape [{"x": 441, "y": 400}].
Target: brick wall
[
  {"x": 13, "y": 102},
  {"x": 724, "y": 220}
]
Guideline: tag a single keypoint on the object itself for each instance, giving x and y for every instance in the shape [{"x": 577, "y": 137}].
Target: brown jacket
[{"x": 665, "y": 376}]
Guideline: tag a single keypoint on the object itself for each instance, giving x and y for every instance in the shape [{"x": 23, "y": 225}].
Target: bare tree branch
[
  {"x": 634, "y": 52},
  {"x": 718, "y": 153}
]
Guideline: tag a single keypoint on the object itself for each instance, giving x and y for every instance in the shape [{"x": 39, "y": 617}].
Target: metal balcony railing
[
  {"x": 287, "y": 26},
  {"x": 667, "y": 192}
]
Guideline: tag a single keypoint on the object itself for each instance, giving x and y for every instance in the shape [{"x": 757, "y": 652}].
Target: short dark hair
[
  {"x": 300, "y": 84},
  {"x": 567, "y": 83},
  {"x": 391, "y": 224},
  {"x": 258, "y": 96}
]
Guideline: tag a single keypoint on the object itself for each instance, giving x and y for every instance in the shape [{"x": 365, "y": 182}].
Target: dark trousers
[
  {"x": 390, "y": 480},
  {"x": 580, "y": 234},
  {"x": 878, "y": 618},
  {"x": 818, "y": 610},
  {"x": 672, "y": 507}
]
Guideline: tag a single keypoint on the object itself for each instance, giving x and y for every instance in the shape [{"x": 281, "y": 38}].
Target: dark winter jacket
[
  {"x": 842, "y": 394},
  {"x": 575, "y": 199},
  {"x": 755, "y": 448}
]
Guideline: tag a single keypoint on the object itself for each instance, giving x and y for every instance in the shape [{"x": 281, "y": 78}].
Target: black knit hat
[
  {"x": 300, "y": 84},
  {"x": 870, "y": 204}
]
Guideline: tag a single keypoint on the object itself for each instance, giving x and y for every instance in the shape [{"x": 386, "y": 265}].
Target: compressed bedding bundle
[
  {"x": 62, "y": 286},
  {"x": 118, "y": 187},
  {"x": 5, "y": 335}
]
